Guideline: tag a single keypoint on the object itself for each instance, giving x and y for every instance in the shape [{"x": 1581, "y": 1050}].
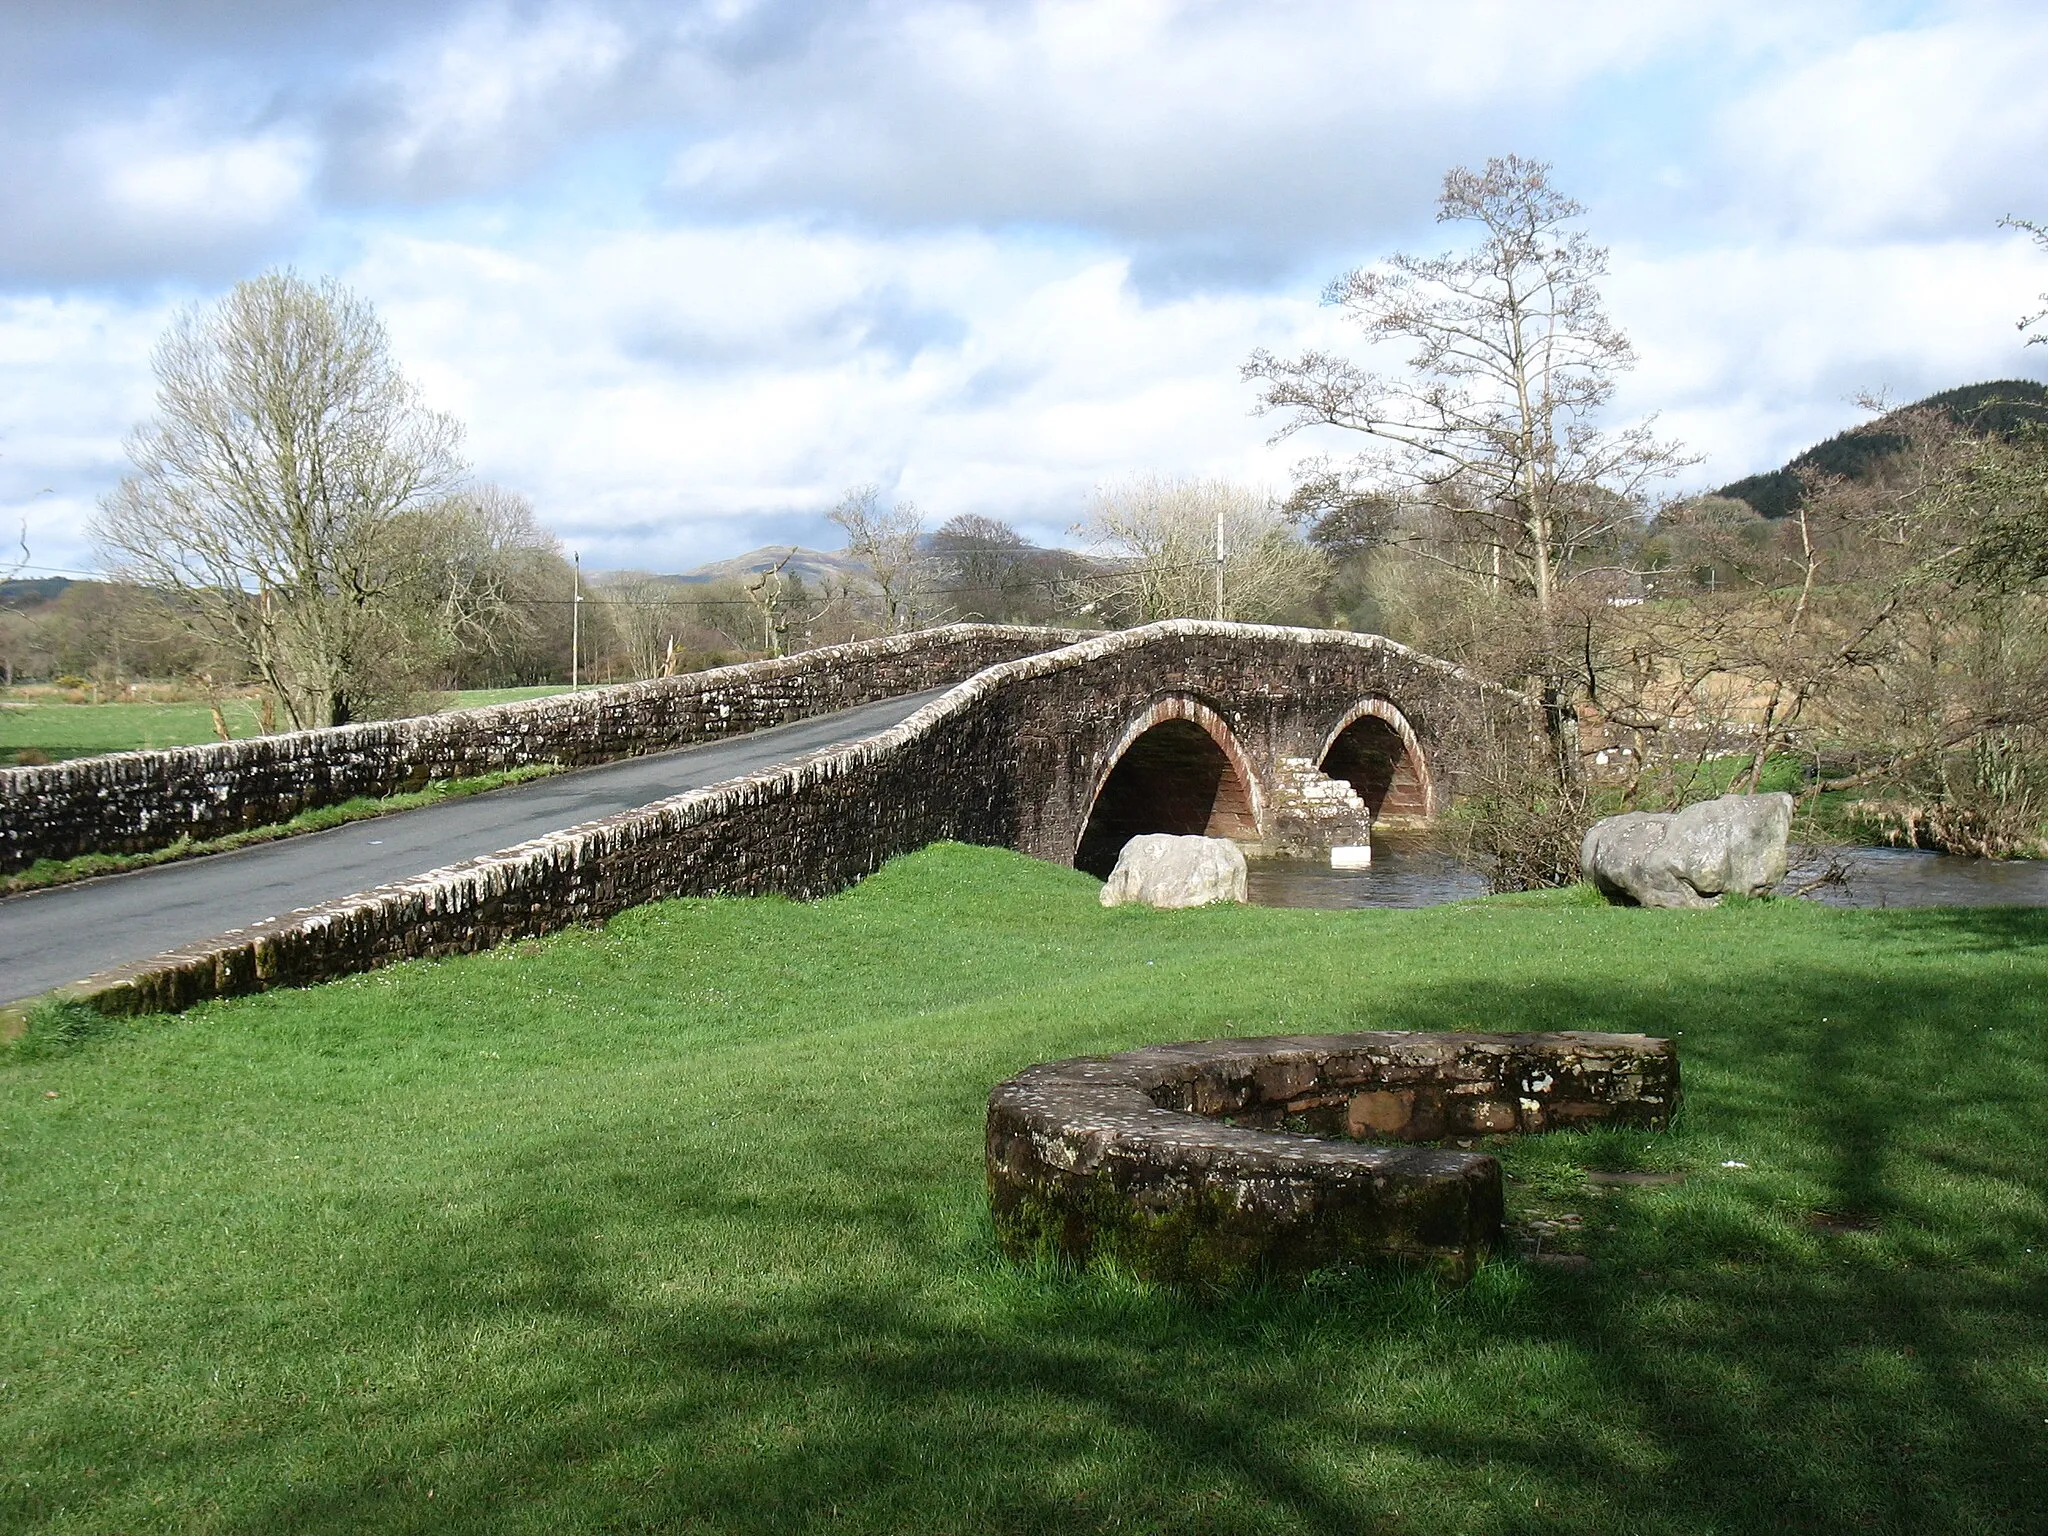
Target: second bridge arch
[{"x": 1375, "y": 751}]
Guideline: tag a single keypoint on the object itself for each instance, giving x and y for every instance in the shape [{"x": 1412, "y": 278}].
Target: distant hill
[
  {"x": 2001, "y": 406},
  {"x": 27, "y": 592},
  {"x": 816, "y": 567}
]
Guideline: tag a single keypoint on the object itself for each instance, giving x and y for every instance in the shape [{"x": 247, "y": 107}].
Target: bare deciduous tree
[
  {"x": 483, "y": 559},
  {"x": 281, "y": 494},
  {"x": 983, "y": 560},
  {"x": 769, "y": 591},
  {"x": 1161, "y": 536},
  {"x": 644, "y": 614},
  {"x": 2032, "y": 321},
  {"x": 888, "y": 539},
  {"x": 1885, "y": 634},
  {"x": 1493, "y": 431}
]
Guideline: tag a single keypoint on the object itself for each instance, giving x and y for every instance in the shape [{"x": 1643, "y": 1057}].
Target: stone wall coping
[
  {"x": 992, "y": 680},
  {"x": 1116, "y": 642},
  {"x": 1099, "y": 1106},
  {"x": 1135, "y": 1157}
]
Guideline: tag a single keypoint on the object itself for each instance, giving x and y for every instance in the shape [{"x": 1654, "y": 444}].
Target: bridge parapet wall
[
  {"x": 1008, "y": 758},
  {"x": 129, "y": 802}
]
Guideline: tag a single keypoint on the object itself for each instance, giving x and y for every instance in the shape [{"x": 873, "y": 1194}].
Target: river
[{"x": 1408, "y": 872}]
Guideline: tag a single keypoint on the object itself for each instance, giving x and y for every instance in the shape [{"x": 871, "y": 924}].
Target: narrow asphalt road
[{"x": 49, "y": 938}]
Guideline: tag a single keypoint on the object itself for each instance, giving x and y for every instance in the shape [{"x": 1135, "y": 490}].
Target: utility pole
[
  {"x": 1219, "y": 564},
  {"x": 575, "y": 617}
]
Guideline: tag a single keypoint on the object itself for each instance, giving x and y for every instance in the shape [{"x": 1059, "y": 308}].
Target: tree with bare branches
[
  {"x": 770, "y": 591},
  {"x": 1490, "y": 442},
  {"x": 889, "y": 539},
  {"x": 284, "y": 493},
  {"x": 1179, "y": 548}
]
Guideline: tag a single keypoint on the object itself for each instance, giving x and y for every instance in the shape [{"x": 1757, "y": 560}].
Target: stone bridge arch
[
  {"x": 1374, "y": 749},
  {"x": 1177, "y": 767}
]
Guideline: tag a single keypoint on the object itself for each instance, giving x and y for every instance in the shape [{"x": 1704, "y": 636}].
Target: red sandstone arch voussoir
[{"x": 1388, "y": 714}]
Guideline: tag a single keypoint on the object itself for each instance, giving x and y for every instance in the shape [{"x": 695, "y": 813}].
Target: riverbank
[
  {"x": 1411, "y": 869},
  {"x": 682, "y": 1220}
]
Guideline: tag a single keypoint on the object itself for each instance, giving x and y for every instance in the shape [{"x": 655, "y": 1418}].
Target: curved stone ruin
[{"x": 1214, "y": 1162}]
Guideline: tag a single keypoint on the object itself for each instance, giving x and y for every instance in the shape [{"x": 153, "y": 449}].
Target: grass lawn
[
  {"x": 60, "y": 730},
  {"x": 680, "y": 1225},
  {"x": 475, "y": 698}
]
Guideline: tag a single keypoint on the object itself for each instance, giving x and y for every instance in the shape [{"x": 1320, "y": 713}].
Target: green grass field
[
  {"x": 475, "y": 698},
  {"x": 680, "y": 1225},
  {"x": 56, "y": 731},
  {"x": 59, "y": 731}
]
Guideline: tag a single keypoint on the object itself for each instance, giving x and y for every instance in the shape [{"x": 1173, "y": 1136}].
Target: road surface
[{"x": 49, "y": 938}]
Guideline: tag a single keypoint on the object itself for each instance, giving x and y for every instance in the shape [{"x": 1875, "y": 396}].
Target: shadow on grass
[
  {"x": 655, "y": 1341},
  {"x": 1964, "y": 930}
]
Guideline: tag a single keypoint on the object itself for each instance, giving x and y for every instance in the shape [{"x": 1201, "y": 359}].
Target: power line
[
  {"x": 56, "y": 570},
  {"x": 1049, "y": 582}
]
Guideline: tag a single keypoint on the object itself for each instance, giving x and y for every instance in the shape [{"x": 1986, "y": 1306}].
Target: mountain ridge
[{"x": 2001, "y": 406}]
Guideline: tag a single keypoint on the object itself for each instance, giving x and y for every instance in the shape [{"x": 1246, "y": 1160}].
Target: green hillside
[{"x": 2003, "y": 406}]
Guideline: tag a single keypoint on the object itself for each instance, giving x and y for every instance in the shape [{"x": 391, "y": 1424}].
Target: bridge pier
[{"x": 1313, "y": 812}]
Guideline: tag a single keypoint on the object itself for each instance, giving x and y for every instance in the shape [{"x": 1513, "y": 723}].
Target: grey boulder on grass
[
  {"x": 1161, "y": 870},
  {"x": 1693, "y": 857}
]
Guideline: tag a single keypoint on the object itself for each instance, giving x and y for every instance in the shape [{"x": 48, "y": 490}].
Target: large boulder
[
  {"x": 1690, "y": 858},
  {"x": 1160, "y": 870}
]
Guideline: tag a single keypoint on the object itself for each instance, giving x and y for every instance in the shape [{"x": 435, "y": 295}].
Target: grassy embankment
[
  {"x": 42, "y": 729},
  {"x": 680, "y": 1224}
]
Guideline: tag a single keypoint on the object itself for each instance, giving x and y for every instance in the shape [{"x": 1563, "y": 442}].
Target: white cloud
[
  {"x": 1919, "y": 130},
  {"x": 1753, "y": 352},
  {"x": 647, "y": 386},
  {"x": 687, "y": 273},
  {"x": 74, "y": 377},
  {"x": 155, "y": 172},
  {"x": 672, "y": 396},
  {"x": 187, "y": 181},
  {"x": 489, "y": 91},
  {"x": 1259, "y": 124}
]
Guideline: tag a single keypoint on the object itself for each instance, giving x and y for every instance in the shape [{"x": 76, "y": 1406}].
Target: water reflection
[
  {"x": 1913, "y": 877},
  {"x": 1408, "y": 872}
]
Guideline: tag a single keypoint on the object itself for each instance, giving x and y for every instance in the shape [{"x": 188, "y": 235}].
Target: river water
[{"x": 1407, "y": 872}]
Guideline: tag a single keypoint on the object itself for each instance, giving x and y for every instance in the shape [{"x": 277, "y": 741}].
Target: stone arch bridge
[
  {"x": 1249, "y": 732},
  {"x": 1267, "y": 735}
]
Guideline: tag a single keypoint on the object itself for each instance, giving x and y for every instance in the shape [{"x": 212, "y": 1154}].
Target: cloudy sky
[{"x": 687, "y": 270}]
